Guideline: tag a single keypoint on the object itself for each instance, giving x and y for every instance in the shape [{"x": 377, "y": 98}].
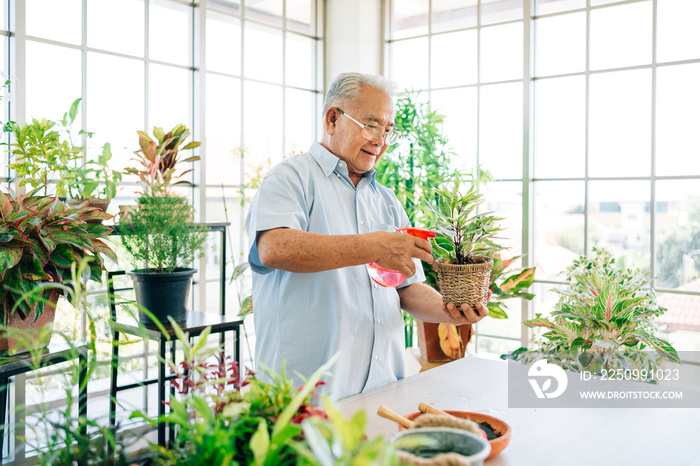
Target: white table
[{"x": 566, "y": 436}]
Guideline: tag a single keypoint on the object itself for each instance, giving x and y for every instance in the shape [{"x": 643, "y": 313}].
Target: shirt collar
[{"x": 329, "y": 163}]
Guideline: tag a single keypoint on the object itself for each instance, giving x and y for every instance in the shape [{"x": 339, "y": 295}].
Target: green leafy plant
[
  {"x": 159, "y": 236},
  {"x": 159, "y": 159},
  {"x": 94, "y": 178},
  {"x": 461, "y": 232},
  {"x": 44, "y": 150},
  {"x": 40, "y": 239},
  {"x": 604, "y": 319}
]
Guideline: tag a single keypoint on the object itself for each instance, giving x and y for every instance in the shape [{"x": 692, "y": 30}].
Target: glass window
[
  {"x": 262, "y": 111},
  {"x": 621, "y": 36},
  {"x": 106, "y": 26},
  {"x": 560, "y": 127},
  {"x": 560, "y": 44},
  {"x": 678, "y": 120},
  {"x": 299, "y": 61},
  {"x": 267, "y": 11},
  {"x": 265, "y": 66},
  {"x": 677, "y": 32},
  {"x": 450, "y": 66},
  {"x": 169, "y": 32},
  {"x": 544, "y": 7},
  {"x": 405, "y": 55},
  {"x": 41, "y": 20},
  {"x": 299, "y": 132},
  {"x": 620, "y": 124},
  {"x": 223, "y": 43},
  {"x": 409, "y": 18},
  {"x": 223, "y": 130},
  {"x": 459, "y": 106},
  {"x": 448, "y": 15},
  {"x": 169, "y": 96},
  {"x": 301, "y": 16},
  {"x": 501, "y": 11},
  {"x": 501, "y": 129},
  {"x": 501, "y": 53}
]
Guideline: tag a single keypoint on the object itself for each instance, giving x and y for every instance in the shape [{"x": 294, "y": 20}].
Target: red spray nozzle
[{"x": 417, "y": 232}]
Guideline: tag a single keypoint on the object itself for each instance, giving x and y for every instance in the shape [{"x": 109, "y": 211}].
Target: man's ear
[{"x": 330, "y": 120}]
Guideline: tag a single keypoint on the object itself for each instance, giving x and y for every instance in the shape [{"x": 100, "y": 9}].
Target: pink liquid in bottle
[{"x": 393, "y": 278}]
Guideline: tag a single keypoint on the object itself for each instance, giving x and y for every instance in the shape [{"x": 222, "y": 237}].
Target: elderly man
[{"x": 316, "y": 221}]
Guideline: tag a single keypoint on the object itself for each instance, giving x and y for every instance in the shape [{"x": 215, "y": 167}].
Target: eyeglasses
[{"x": 373, "y": 132}]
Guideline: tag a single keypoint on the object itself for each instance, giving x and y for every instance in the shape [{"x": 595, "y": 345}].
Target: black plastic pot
[{"x": 163, "y": 294}]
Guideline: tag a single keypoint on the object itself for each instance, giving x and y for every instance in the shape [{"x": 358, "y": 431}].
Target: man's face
[{"x": 345, "y": 138}]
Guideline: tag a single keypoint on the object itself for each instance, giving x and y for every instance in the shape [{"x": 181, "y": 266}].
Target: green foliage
[
  {"x": 44, "y": 150},
  {"x": 159, "y": 236},
  {"x": 604, "y": 319},
  {"x": 460, "y": 231},
  {"x": 420, "y": 162},
  {"x": 159, "y": 159},
  {"x": 40, "y": 240},
  {"x": 82, "y": 182}
]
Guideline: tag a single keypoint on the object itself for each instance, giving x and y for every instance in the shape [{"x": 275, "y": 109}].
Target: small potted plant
[
  {"x": 40, "y": 240},
  {"x": 44, "y": 151},
  {"x": 93, "y": 183},
  {"x": 464, "y": 238},
  {"x": 162, "y": 244}
]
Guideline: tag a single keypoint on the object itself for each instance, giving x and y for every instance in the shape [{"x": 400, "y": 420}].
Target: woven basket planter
[{"x": 468, "y": 283}]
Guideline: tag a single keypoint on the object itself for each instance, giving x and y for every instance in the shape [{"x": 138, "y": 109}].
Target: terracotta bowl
[{"x": 500, "y": 428}]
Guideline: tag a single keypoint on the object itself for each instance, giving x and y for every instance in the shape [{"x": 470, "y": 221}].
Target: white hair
[{"x": 347, "y": 86}]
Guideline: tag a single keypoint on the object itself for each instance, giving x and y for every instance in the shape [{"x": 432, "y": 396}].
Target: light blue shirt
[{"x": 305, "y": 318}]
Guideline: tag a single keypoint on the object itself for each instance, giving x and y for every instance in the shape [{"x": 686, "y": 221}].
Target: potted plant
[
  {"x": 463, "y": 240},
  {"x": 162, "y": 244},
  {"x": 603, "y": 320},
  {"x": 93, "y": 183},
  {"x": 40, "y": 239},
  {"x": 44, "y": 151}
]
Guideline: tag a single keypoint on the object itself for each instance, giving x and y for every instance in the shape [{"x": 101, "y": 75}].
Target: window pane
[
  {"x": 621, "y": 36},
  {"x": 560, "y": 127},
  {"x": 500, "y": 11},
  {"x": 501, "y": 129},
  {"x": 301, "y": 16},
  {"x": 510, "y": 327},
  {"x": 262, "y": 122},
  {"x": 59, "y": 20},
  {"x": 223, "y": 44},
  {"x": 678, "y": 120},
  {"x": 681, "y": 318},
  {"x": 460, "y": 111},
  {"x": 50, "y": 94},
  {"x": 449, "y": 15},
  {"x": 502, "y": 53},
  {"x": 169, "y": 97},
  {"x": 505, "y": 199},
  {"x": 558, "y": 226},
  {"x": 223, "y": 130},
  {"x": 560, "y": 44},
  {"x": 619, "y": 221},
  {"x": 170, "y": 32},
  {"x": 544, "y": 7},
  {"x": 493, "y": 345},
  {"x": 678, "y": 233},
  {"x": 677, "y": 32},
  {"x": 409, "y": 18},
  {"x": 268, "y": 11},
  {"x": 265, "y": 66},
  {"x": 107, "y": 20},
  {"x": 115, "y": 104},
  {"x": 454, "y": 59},
  {"x": 409, "y": 64},
  {"x": 620, "y": 124},
  {"x": 300, "y": 61},
  {"x": 300, "y": 121}
]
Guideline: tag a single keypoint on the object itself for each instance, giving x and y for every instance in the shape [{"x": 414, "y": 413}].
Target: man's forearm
[
  {"x": 303, "y": 252},
  {"x": 424, "y": 303}
]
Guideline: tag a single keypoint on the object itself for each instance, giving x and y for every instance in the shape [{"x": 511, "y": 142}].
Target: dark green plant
[
  {"x": 44, "y": 150},
  {"x": 604, "y": 319},
  {"x": 94, "y": 178},
  {"x": 159, "y": 235},
  {"x": 40, "y": 239},
  {"x": 159, "y": 159},
  {"x": 461, "y": 232}
]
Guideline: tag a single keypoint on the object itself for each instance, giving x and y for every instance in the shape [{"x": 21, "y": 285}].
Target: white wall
[{"x": 353, "y": 37}]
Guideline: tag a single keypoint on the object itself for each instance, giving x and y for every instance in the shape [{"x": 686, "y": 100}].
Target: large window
[
  {"x": 588, "y": 130},
  {"x": 242, "y": 75}
]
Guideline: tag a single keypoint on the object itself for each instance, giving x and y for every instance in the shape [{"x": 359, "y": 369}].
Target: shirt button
[
  {"x": 340, "y": 164},
  {"x": 376, "y": 286},
  {"x": 361, "y": 222},
  {"x": 376, "y": 357},
  {"x": 338, "y": 175},
  {"x": 379, "y": 321}
]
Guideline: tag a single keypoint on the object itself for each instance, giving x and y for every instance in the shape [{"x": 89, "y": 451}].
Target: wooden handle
[
  {"x": 386, "y": 413},
  {"x": 426, "y": 408}
]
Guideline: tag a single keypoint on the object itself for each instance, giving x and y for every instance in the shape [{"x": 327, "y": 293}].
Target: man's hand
[
  {"x": 467, "y": 315},
  {"x": 395, "y": 251}
]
